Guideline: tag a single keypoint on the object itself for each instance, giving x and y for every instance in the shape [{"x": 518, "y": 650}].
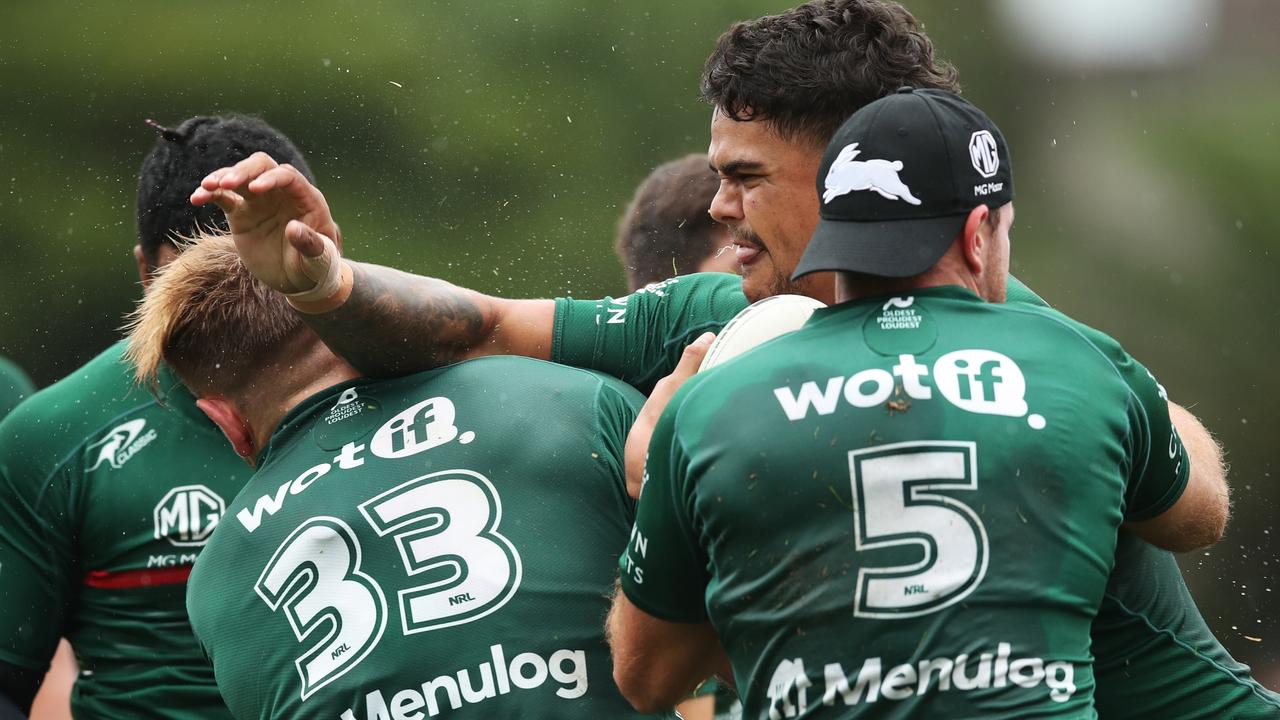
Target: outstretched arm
[
  {"x": 383, "y": 321},
  {"x": 394, "y": 323}
]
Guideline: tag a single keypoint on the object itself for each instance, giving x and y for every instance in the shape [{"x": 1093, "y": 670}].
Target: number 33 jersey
[
  {"x": 908, "y": 508},
  {"x": 442, "y": 545}
]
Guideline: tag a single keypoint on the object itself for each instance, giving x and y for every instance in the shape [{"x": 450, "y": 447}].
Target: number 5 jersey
[
  {"x": 908, "y": 508},
  {"x": 441, "y": 545}
]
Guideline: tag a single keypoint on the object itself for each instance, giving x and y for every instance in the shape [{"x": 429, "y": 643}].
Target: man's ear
[
  {"x": 144, "y": 267},
  {"x": 224, "y": 415},
  {"x": 972, "y": 241}
]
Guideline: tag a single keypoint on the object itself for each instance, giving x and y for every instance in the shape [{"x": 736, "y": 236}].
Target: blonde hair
[{"x": 209, "y": 319}]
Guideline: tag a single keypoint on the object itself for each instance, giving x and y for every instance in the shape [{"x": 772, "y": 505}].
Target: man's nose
[{"x": 726, "y": 206}]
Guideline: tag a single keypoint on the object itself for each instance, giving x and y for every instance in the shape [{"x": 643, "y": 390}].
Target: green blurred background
[{"x": 495, "y": 144}]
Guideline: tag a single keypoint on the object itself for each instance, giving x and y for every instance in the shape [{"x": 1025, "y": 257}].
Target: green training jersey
[
  {"x": 442, "y": 545},
  {"x": 1158, "y": 656},
  {"x": 14, "y": 386},
  {"x": 106, "y": 498},
  {"x": 910, "y": 502},
  {"x": 640, "y": 337}
]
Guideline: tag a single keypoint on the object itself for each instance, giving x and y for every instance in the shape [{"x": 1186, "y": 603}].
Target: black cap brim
[{"x": 889, "y": 248}]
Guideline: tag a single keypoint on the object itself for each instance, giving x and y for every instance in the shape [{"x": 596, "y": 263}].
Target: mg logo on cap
[
  {"x": 983, "y": 154},
  {"x": 187, "y": 515}
]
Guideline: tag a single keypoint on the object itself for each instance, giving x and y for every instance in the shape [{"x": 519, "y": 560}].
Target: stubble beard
[{"x": 760, "y": 282}]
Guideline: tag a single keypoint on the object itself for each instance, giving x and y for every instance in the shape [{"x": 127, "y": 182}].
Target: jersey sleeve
[
  {"x": 639, "y": 337},
  {"x": 617, "y": 405},
  {"x": 36, "y": 547},
  {"x": 664, "y": 569},
  {"x": 1159, "y": 466}
]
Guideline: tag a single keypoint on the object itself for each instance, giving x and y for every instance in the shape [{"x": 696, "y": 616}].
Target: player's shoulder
[
  {"x": 86, "y": 399},
  {"x": 693, "y": 283},
  {"x": 1045, "y": 319},
  {"x": 96, "y": 410},
  {"x": 699, "y": 294},
  {"x": 529, "y": 376}
]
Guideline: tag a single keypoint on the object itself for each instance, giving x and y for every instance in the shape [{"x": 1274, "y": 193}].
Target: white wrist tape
[{"x": 327, "y": 270}]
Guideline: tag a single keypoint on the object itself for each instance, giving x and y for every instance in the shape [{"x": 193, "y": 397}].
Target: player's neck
[
  {"x": 950, "y": 270},
  {"x": 287, "y": 386}
]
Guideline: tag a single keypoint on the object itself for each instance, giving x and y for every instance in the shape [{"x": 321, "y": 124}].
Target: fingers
[
  {"x": 690, "y": 359},
  {"x": 305, "y": 240},
  {"x": 242, "y": 172},
  {"x": 275, "y": 178},
  {"x": 693, "y": 354},
  {"x": 228, "y": 200}
]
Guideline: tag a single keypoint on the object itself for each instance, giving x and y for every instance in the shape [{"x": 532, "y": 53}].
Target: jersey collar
[
  {"x": 298, "y": 418},
  {"x": 945, "y": 292}
]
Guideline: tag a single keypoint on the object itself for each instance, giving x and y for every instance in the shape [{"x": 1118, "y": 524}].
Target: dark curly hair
[
  {"x": 808, "y": 69},
  {"x": 182, "y": 157},
  {"x": 666, "y": 229}
]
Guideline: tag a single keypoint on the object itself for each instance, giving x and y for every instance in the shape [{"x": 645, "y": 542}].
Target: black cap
[{"x": 924, "y": 160}]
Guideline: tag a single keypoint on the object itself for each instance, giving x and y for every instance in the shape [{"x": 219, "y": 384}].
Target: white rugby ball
[{"x": 759, "y": 323}]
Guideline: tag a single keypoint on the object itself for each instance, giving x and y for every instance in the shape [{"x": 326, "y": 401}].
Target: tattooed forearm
[{"x": 395, "y": 323}]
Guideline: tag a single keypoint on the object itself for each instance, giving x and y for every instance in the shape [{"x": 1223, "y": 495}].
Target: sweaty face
[{"x": 769, "y": 202}]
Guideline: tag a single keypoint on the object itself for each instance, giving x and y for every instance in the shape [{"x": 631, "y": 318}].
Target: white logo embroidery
[
  {"x": 789, "y": 679},
  {"x": 974, "y": 380},
  {"x": 187, "y": 515},
  {"x": 981, "y": 381},
  {"x": 983, "y": 153},
  {"x": 426, "y": 425},
  {"x": 122, "y": 443},
  {"x": 879, "y": 176},
  {"x": 897, "y": 302}
]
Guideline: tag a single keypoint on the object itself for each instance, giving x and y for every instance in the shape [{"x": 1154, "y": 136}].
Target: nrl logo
[
  {"x": 879, "y": 176},
  {"x": 121, "y": 444}
]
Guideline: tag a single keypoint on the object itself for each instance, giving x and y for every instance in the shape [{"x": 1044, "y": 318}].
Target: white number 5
[{"x": 895, "y": 505}]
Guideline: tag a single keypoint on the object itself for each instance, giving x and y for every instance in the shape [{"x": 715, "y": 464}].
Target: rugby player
[
  {"x": 987, "y": 453},
  {"x": 778, "y": 98},
  {"x": 437, "y": 545},
  {"x": 107, "y": 493},
  {"x": 666, "y": 231}
]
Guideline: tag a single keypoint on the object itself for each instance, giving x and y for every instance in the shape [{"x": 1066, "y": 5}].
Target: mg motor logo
[
  {"x": 187, "y": 515},
  {"x": 983, "y": 153}
]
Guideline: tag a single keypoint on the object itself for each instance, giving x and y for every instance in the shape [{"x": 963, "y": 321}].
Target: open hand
[{"x": 280, "y": 222}]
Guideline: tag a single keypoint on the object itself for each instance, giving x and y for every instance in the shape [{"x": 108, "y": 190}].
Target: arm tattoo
[{"x": 395, "y": 323}]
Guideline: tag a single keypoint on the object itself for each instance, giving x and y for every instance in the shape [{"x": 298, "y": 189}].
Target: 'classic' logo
[{"x": 121, "y": 444}]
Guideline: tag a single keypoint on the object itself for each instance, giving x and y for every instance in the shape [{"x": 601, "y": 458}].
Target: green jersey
[
  {"x": 1158, "y": 656},
  {"x": 14, "y": 386},
  {"x": 640, "y": 337},
  {"x": 442, "y": 545},
  {"x": 106, "y": 497},
  {"x": 910, "y": 502}
]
